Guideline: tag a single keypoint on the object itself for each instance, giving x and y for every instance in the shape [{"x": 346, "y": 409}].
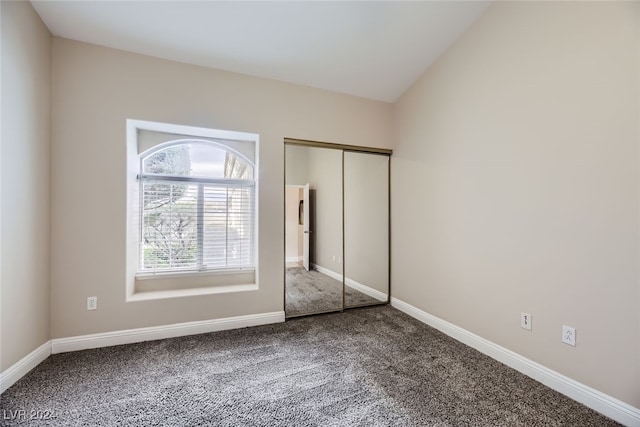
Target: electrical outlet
[
  {"x": 568, "y": 335},
  {"x": 92, "y": 303},
  {"x": 525, "y": 321}
]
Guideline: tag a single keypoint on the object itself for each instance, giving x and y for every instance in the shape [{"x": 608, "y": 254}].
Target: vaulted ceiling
[{"x": 374, "y": 50}]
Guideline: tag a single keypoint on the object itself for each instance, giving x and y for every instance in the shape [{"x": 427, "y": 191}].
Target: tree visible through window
[{"x": 197, "y": 208}]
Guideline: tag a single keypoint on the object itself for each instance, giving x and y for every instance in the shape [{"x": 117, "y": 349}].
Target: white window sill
[
  {"x": 178, "y": 293},
  {"x": 176, "y": 285}
]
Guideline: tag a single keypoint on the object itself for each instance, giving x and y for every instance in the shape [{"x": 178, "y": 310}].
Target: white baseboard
[
  {"x": 327, "y": 272},
  {"x": 594, "y": 399},
  {"x": 293, "y": 259},
  {"x": 23, "y": 366},
  {"x": 129, "y": 336},
  {"x": 374, "y": 293}
]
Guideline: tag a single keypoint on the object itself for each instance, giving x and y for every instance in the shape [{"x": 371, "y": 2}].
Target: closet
[{"x": 337, "y": 227}]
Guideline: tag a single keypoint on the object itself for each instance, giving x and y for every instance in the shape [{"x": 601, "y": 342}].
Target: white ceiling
[{"x": 374, "y": 50}]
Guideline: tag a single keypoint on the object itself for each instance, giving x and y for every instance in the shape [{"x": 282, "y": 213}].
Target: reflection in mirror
[
  {"x": 366, "y": 228},
  {"x": 313, "y": 246}
]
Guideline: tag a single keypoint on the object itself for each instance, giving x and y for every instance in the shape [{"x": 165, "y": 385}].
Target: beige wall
[
  {"x": 26, "y": 91},
  {"x": 515, "y": 187},
  {"x": 95, "y": 90}
]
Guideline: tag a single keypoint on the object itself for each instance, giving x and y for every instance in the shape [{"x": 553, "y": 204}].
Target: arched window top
[{"x": 197, "y": 159}]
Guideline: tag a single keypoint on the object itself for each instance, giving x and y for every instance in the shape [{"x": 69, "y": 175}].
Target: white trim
[
  {"x": 191, "y": 130},
  {"x": 132, "y": 191},
  {"x": 327, "y": 272},
  {"x": 374, "y": 293},
  {"x": 294, "y": 259},
  {"x": 22, "y": 367},
  {"x": 129, "y": 336},
  {"x": 189, "y": 292},
  {"x": 173, "y": 274},
  {"x": 594, "y": 399}
]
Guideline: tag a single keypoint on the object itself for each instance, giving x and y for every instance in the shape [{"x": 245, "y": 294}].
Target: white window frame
[{"x": 190, "y": 282}]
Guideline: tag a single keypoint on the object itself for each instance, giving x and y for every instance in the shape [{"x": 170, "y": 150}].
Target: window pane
[
  {"x": 215, "y": 227},
  {"x": 240, "y": 225},
  {"x": 228, "y": 227},
  {"x": 175, "y": 160},
  {"x": 169, "y": 237},
  {"x": 197, "y": 159}
]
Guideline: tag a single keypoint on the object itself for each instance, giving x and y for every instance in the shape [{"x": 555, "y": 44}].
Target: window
[
  {"x": 192, "y": 210},
  {"x": 197, "y": 212}
]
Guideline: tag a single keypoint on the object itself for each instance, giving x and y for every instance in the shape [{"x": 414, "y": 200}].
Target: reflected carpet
[{"x": 314, "y": 292}]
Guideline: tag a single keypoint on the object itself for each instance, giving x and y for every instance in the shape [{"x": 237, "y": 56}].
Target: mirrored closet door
[
  {"x": 313, "y": 230},
  {"x": 366, "y": 229},
  {"x": 336, "y": 227}
]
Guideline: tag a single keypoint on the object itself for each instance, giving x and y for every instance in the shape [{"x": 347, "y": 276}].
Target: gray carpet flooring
[
  {"x": 314, "y": 292},
  {"x": 365, "y": 367}
]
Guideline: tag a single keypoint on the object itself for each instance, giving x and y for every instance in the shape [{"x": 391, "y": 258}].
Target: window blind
[{"x": 196, "y": 225}]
